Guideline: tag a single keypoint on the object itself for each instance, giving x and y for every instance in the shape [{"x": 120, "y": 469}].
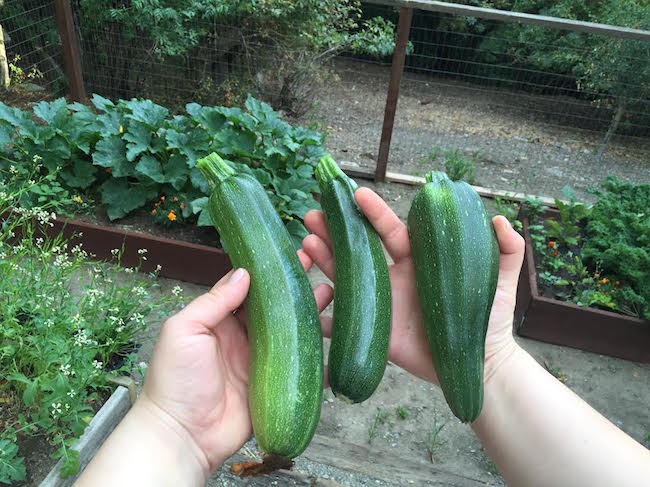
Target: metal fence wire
[
  {"x": 524, "y": 102},
  {"x": 32, "y": 47}
]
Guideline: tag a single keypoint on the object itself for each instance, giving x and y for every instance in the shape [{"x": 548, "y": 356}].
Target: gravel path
[{"x": 521, "y": 144}]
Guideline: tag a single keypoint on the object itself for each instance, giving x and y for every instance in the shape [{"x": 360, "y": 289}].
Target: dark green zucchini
[
  {"x": 456, "y": 258},
  {"x": 285, "y": 383},
  {"x": 362, "y": 299}
]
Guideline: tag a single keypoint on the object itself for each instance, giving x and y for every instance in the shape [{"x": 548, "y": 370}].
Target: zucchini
[
  {"x": 362, "y": 300},
  {"x": 285, "y": 378},
  {"x": 456, "y": 258}
]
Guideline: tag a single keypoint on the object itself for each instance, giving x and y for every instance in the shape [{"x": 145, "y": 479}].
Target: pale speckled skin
[
  {"x": 285, "y": 383},
  {"x": 362, "y": 300},
  {"x": 456, "y": 258}
]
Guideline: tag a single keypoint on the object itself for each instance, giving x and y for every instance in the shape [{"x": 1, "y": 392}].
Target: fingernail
[{"x": 236, "y": 276}]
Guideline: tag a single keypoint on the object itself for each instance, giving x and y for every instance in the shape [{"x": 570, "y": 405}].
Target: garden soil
[
  {"x": 524, "y": 143},
  {"x": 372, "y": 444}
]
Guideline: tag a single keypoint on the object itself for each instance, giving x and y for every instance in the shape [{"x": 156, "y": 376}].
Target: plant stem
[{"x": 214, "y": 169}]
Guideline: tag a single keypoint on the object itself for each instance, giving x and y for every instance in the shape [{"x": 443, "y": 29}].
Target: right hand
[{"x": 409, "y": 348}]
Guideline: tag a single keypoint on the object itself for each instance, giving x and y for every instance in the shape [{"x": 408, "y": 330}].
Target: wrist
[{"x": 167, "y": 433}]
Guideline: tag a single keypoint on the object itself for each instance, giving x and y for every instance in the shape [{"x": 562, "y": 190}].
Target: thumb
[
  {"x": 226, "y": 296},
  {"x": 511, "y": 247}
]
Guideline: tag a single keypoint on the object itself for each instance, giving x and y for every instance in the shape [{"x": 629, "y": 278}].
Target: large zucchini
[
  {"x": 362, "y": 300},
  {"x": 285, "y": 384},
  {"x": 456, "y": 258}
]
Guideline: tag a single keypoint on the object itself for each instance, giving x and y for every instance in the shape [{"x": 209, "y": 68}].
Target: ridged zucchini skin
[
  {"x": 285, "y": 378},
  {"x": 456, "y": 257},
  {"x": 362, "y": 295}
]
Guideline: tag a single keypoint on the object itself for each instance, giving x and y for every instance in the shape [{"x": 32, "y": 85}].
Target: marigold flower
[
  {"x": 554, "y": 254},
  {"x": 551, "y": 244},
  {"x": 171, "y": 216},
  {"x": 604, "y": 280},
  {"x": 154, "y": 211},
  {"x": 182, "y": 206},
  {"x": 162, "y": 198}
]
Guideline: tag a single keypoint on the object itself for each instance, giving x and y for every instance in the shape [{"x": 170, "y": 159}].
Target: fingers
[
  {"x": 316, "y": 224},
  {"x": 323, "y": 295},
  {"x": 390, "y": 228},
  {"x": 320, "y": 253},
  {"x": 305, "y": 260},
  {"x": 225, "y": 297},
  {"x": 511, "y": 246}
]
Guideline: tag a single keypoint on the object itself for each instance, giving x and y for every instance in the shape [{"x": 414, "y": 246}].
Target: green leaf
[
  {"x": 198, "y": 204},
  {"x": 109, "y": 123},
  {"x": 82, "y": 175},
  {"x": 120, "y": 198},
  {"x": 260, "y": 110},
  {"x": 70, "y": 465},
  {"x": 29, "y": 394},
  {"x": 232, "y": 141},
  {"x": 209, "y": 117},
  {"x": 111, "y": 152},
  {"x": 176, "y": 171},
  {"x": 204, "y": 218},
  {"x": 101, "y": 103},
  {"x": 297, "y": 231},
  {"x": 150, "y": 166},
  {"x": 54, "y": 113},
  {"x": 6, "y": 136},
  {"x": 191, "y": 144},
  {"x": 198, "y": 181},
  {"x": 146, "y": 112},
  {"x": 138, "y": 137}
]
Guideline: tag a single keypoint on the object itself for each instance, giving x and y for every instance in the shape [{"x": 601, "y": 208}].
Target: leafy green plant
[
  {"x": 433, "y": 441},
  {"x": 457, "y": 167},
  {"x": 133, "y": 152},
  {"x": 402, "y": 413},
  {"x": 380, "y": 419},
  {"x": 598, "y": 256},
  {"x": 509, "y": 209},
  {"x": 56, "y": 343}
]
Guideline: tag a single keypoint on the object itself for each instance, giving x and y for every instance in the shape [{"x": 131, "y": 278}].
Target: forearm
[
  {"x": 538, "y": 432},
  {"x": 146, "y": 449}
]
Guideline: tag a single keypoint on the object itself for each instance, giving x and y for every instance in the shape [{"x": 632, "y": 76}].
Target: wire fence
[
  {"x": 530, "y": 106},
  {"x": 33, "y": 51}
]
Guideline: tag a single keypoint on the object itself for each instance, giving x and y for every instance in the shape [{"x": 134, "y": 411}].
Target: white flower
[
  {"x": 56, "y": 408},
  {"x": 67, "y": 406},
  {"x": 97, "y": 364},
  {"x": 39, "y": 241},
  {"x": 48, "y": 323},
  {"x": 114, "y": 252},
  {"x": 119, "y": 329},
  {"x": 65, "y": 369},
  {"x": 142, "y": 251},
  {"x": 177, "y": 290},
  {"x": 72, "y": 393},
  {"x": 81, "y": 338},
  {"x": 143, "y": 365},
  {"x": 37, "y": 158},
  {"x": 139, "y": 291},
  {"x": 158, "y": 268},
  {"x": 129, "y": 270},
  {"x": 13, "y": 170}
]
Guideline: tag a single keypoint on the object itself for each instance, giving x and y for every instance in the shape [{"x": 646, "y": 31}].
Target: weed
[
  {"x": 555, "y": 372},
  {"x": 402, "y": 413},
  {"x": 380, "y": 418},
  {"x": 454, "y": 163},
  {"x": 433, "y": 443}
]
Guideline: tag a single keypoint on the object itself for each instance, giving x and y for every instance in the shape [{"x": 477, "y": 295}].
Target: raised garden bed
[
  {"x": 562, "y": 323},
  {"x": 178, "y": 259},
  {"x": 101, "y": 426}
]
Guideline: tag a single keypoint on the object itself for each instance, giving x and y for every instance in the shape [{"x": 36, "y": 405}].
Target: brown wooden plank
[{"x": 70, "y": 47}]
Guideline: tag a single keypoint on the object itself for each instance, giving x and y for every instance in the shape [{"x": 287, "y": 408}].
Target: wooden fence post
[
  {"x": 71, "y": 60},
  {"x": 397, "y": 67}
]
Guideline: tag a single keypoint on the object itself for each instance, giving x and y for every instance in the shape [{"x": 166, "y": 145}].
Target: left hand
[{"x": 198, "y": 375}]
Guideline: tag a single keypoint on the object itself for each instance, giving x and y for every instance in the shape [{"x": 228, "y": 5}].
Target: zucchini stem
[
  {"x": 435, "y": 177},
  {"x": 327, "y": 169},
  {"x": 214, "y": 169}
]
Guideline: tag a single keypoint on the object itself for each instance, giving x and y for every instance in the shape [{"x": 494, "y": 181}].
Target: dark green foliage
[
  {"x": 617, "y": 240},
  {"x": 133, "y": 151}
]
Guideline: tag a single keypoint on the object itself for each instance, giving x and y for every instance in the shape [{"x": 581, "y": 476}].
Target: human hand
[
  {"x": 409, "y": 348},
  {"x": 198, "y": 376}
]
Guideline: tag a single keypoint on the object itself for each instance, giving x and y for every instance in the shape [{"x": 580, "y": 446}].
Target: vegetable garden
[{"x": 120, "y": 122}]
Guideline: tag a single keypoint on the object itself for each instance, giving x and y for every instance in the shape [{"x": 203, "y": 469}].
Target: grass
[
  {"x": 402, "y": 413},
  {"x": 380, "y": 418},
  {"x": 556, "y": 372},
  {"x": 433, "y": 442}
]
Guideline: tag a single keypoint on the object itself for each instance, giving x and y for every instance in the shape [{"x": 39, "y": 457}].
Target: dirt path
[{"x": 523, "y": 142}]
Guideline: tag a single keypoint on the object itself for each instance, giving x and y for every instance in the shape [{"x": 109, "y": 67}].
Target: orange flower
[
  {"x": 551, "y": 244},
  {"x": 604, "y": 280},
  {"x": 182, "y": 206},
  {"x": 554, "y": 254},
  {"x": 154, "y": 211},
  {"x": 171, "y": 216},
  {"x": 162, "y": 198},
  {"x": 108, "y": 170}
]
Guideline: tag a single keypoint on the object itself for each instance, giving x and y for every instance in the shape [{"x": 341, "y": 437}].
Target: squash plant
[{"x": 131, "y": 152}]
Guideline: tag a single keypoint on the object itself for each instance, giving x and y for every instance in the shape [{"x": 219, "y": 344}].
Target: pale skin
[{"x": 193, "y": 412}]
